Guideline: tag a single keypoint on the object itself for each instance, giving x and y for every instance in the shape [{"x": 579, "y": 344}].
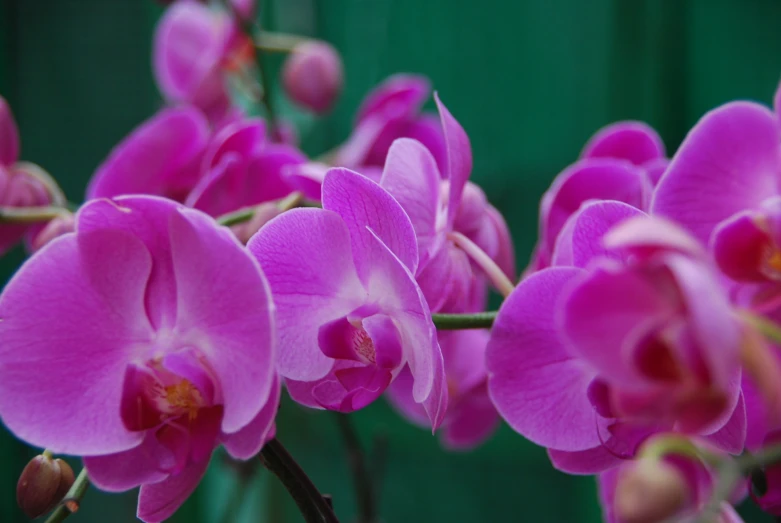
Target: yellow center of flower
[{"x": 183, "y": 398}]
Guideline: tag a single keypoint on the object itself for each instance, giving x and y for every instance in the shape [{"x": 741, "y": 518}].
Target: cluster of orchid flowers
[{"x": 214, "y": 263}]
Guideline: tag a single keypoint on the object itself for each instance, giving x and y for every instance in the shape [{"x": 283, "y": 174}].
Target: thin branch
[
  {"x": 478, "y": 320},
  {"x": 274, "y": 42},
  {"x": 310, "y": 502},
  {"x": 30, "y": 214},
  {"x": 362, "y": 480}
]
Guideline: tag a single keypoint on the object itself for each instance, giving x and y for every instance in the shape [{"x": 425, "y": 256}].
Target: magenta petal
[
  {"x": 471, "y": 422},
  {"x": 401, "y": 94},
  {"x": 159, "y": 157},
  {"x": 729, "y": 162},
  {"x": 731, "y": 437},
  {"x": 580, "y": 240},
  {"x": 387, "y": 343},
  {"x": 584, "y": 462},
  {"x": 505, "y": 253},
  {"x": 158, "y": 501},
  {"x": 427, "y": 129},
  {"x": 399, "y": 395},
  {"x": 367, "y": 209},
  {"x": 9, "y": 135},
  {"x": 633, "y": 141},
  {"x": 149, "y": 462},
  {"x": 537, "y": 387},
  {"x": 739, "y": 247},
  {"x": 446, "y": 280},
  {"x": 228, "y": 312},
  {"x": 604, "y": 310},
  {"x": 606, "y": 485},
  {"x": 245, "y": 138},
  {"x": 248, "y": 441},
  {"x": 101, "y": 277},
  {"x": 459, "y": 157},
  {"x": 307, "y": 259},
  {"x": 412, "y": 177}
]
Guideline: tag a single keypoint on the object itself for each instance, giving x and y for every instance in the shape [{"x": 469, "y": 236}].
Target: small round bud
[
  {"x": 42, "y": 484},
  {"x": 649, "y": 491},
  {"x": 312, "y": 75}
]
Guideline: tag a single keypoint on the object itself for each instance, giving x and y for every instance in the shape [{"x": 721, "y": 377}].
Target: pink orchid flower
[
  {"x": 471, "y": 418},
  {"x": 161, "y": 157},
  {"x": 635, "y": 336},
  {"x": 22, "y": 184},
  {"x": 621, "y": 162},
  {"x": 164, "y": 350},
  {"x": 350, "y": 315},
  {"x": 453, "y": 221},
  {"x": 391, "y": 111},
  {"x": 195, "y": 48}
]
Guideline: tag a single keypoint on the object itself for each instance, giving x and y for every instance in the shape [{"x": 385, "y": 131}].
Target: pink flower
[
  {"x": 164, "y": 349},
  {"x": 195, "y": 48},
  {"x": 241, "y": 167},
  {"x": 391, "y": 111},
  {"x": 350, "y": 315},
  {"x": 161, "y": 157},
  {"x": 621, "y": 162},
  {"x": 312, "y": 75},
  {"x": 22, "y": 184},
  {"x": 471, "y": 418},
  {"x": 442, "y": 205},
  {"x": 637, "y": 337}
]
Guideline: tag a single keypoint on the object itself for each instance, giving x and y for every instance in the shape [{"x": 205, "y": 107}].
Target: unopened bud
[
  {"x": 55, "y": 228},
  {"x": 650, "y": 491},
  {"x": 42, "y": 484},
  {"x": 312, "y": 75}
]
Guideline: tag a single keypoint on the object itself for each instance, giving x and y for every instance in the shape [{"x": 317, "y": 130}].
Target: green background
[{"x": 530, "y": 81}]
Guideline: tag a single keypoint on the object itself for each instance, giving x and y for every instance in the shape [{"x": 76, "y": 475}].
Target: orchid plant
[{"x": 214, "y": 264}]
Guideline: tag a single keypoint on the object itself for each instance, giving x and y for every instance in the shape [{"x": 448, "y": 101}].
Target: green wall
[{"x": 530, "y": 80}]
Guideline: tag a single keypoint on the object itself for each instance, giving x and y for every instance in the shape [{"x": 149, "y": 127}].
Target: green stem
[
  {"x": 273, "y": 42},
  {"x": 311, "y": 504},
  {"x": 294, "y": 199},
  {"x": 362, "y": 480},
  {"x": 767, "y": 328},
  {"x": 30, "y": 214},
  {"x": 72, "y": 499},
  {"x": 479, "y": 320}
]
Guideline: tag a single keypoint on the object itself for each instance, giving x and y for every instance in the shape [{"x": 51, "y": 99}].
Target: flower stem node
[{"x": 43, "y": 484}]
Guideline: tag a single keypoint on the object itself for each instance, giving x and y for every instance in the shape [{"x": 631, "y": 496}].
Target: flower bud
[
  {"x": 650, "y": 491},
  {"x": 42, "y": 484},
  {"x": 55, "y": 228},
  {"x": 312, "y": 75}
]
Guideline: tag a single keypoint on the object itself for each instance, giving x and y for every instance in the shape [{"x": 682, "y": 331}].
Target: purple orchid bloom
[
  {"x": 350, "y": 316},
  {"x": 164, "y": 351},
  {"x": 22, "y": 184},
  {"x": 242, "y": 168},
  {"x": 452, "y": 219},
  {"x": 621, "y": 162},
  {"x": 391, "y": 111},
  {"x": 161, "y": 157},
  {"x": 634, "y": 337},
  {"x": 195, "y": 47},
  {"x": 471, "y": 418}
]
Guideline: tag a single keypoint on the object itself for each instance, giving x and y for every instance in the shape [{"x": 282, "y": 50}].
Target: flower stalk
[
  {"x": 478, "y": 320},
  {"x": 72, "y": 500}
]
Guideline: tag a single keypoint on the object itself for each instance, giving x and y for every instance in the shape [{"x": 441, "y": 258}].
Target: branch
[
  {"x": 478, "y": 320},
  {"x": 311, "y": 503}
]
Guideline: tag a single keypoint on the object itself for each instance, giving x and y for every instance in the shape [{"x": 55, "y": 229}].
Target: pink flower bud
[
  {"x": 42, "y": 484},
  {"x": 650, "y": 491},
  {"x": 54, "y": 229},
  {"x": 313, "y": 76}
]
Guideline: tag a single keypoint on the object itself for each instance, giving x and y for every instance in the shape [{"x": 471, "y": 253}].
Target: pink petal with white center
[
  {"x": 412, "y": 178},
  {"x": 308, "y": 261},
  {"x": 459, "y": 157},
  {"x": 537, "y": 387},
  {"x": 9, "y": 135},
  {"x": 636, "y": 142},
  {"x": 729, "y": 162},
  {"x": 224, "y": 308},
  {"x": 91, "y": 320},
  {"x": 367, "y": 209},
  {"x": 158, "y": 501}
]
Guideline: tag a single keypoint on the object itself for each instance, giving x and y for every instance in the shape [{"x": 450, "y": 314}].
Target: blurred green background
[{"x": 530, "y": 81}]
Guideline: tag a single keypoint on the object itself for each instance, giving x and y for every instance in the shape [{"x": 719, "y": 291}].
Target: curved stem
[
  {"x": 498, "y": 278},
  {"x": 274, "y": 42},
  {"x": 478, "y": 320},
  {"x": 310, "y": 502},
  {"x": 30, "y": 214},
  {"x": 72, "y": 499},
  {"x": 362, "y": 480}
]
